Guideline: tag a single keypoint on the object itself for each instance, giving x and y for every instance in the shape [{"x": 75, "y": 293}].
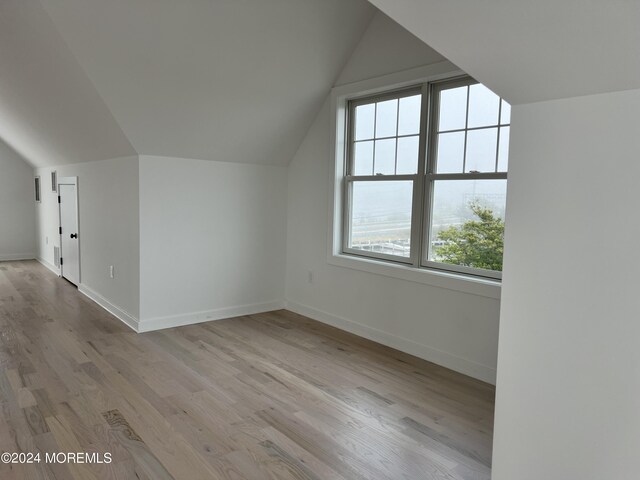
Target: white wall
[
  {"x": 190, "y": 240},
  {"x": 455, "y": 329},
  {"x": 531, "y": 51},
  {"x": 108, "y": 230},
  {"x": 569, "y": 358},
  {"x": 212, "y": 240},
  {"x": 386, "y": 47},
  {"x": 17, "y": 210}
]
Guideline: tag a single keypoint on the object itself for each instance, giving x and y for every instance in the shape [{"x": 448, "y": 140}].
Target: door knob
[{"x": 74, "y": 235}]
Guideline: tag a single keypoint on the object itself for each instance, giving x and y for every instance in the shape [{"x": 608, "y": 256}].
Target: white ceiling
[
  {"x": 241, "y": 80},
  {"x": 529, "y": 51},
  {"x": 50, "y": 113},
  {"x": 385, "y": 48},
  {"x": 227, "y": 80}
]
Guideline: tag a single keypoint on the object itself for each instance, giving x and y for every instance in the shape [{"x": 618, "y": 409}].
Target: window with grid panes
[{"x": 425, "y": 181}]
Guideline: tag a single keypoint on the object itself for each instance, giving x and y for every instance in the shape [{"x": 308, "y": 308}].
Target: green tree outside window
[{"x": 476, "y": 243}]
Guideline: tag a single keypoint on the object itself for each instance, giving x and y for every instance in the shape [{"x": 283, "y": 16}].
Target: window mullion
[
  {"x": 433, "y": 104},
  {"x": 498, "y": 136},
  {"x": 466, "y": 133},
  {"x": 417, "y": 225},
  {"x": 380, "y": 178},
  {"x": 375, "y": 125},
  {"x": 395, "y": 165},
  {"x": 467, "y": 176}
]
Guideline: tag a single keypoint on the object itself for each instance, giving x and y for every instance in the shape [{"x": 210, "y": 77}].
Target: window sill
[{"x": 482, "y": 287}]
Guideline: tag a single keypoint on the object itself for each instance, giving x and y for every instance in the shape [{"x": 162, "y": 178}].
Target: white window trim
[{"x": 339, "y": 99}]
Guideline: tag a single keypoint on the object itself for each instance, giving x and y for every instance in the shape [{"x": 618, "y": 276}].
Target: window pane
[
  {"x": 363, "y": 158},
  {"x": 381, "y": 217},
  {"x": 467, "y": 223},
  {"x": 503, "y": 150},
  {"x": 453, "y": 109},
  {"x": 505, "y": 114},
  {"x": 483, "y": 106},
  {"x": 385, "y": 157},
  {"x": 409, "y": 115},
  {"x": 365, "y": 115},
  {"x": 466, "y": 215},
  {"x": 386, "y": 118},
  {"x": 408, "y": 155},
  {"x": 450, "y": 152},
  {"x": 481, "y": 150}
]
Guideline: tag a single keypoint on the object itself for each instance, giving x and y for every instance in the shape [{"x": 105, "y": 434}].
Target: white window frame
[
  {"x": 432, "y": 176},
  {"x": 415, "y": 178},
  {"x": 340, "y": 98}
]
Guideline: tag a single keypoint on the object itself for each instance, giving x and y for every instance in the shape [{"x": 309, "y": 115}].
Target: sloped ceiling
[
  {"x": 386, "y": 47},
  {"x": 529, "y": 51},
  {"x": 50, "y": 113},
  {"x": 241, "y": 80},
  {"x": 227, "y": 80}
]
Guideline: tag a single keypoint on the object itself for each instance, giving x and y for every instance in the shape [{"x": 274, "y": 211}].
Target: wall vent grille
[{"x": 56, "y": 256}]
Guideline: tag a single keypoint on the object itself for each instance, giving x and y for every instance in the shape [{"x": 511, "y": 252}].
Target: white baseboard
[
  {"x": 447, "y": 360},
  {"x": 126, "y": 318},
  {"x": 50, "y": 266},
  {"x": 159, "y": 323},
  {"x": 8, "y": 257}
]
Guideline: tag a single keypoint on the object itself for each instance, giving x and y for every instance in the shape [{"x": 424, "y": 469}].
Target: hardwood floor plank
[
  {"x": 140, "y": 453},
  {"x": 271, "y": 396}
]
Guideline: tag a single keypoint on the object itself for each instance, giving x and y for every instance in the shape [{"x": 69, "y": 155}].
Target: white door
[{"x": 69, "y": 246}]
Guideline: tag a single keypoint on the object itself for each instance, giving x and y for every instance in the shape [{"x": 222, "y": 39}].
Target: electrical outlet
[{"x": 110, "y": 271}]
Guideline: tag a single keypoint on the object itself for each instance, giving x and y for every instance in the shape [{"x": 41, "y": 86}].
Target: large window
[{"x": 425, "y": 180}]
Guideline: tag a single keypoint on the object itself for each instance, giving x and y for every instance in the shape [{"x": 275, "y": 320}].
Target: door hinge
[
  {"x": 59, "y": 199},
  {"x": 61, "y": 261},
  {"x": 60, "y": 230}
]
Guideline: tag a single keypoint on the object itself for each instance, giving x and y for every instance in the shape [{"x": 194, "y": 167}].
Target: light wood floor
[{"x": 269, "y": 396}]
